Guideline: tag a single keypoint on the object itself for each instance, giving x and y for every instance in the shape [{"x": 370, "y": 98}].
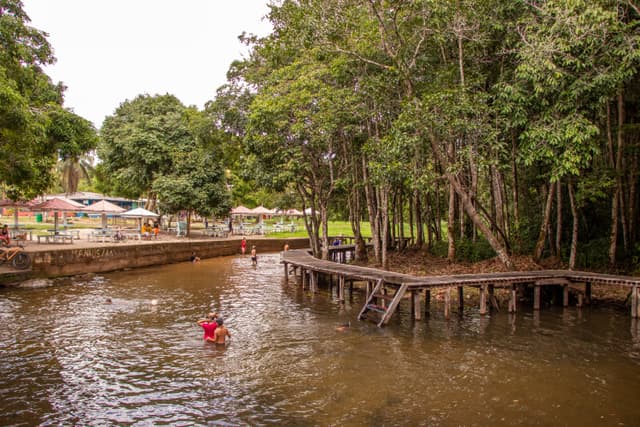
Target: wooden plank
[
  {"x": 394, "y": 304},
  {"x": 369, "y": 299}
]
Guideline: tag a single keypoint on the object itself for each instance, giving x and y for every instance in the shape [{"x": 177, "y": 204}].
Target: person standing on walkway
[{"x": 243, "y": 246}]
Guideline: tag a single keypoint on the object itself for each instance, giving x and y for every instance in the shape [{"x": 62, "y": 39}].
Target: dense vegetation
[
  {"x": 482, "y": 127},
  {"x": 511, "y": 121}
]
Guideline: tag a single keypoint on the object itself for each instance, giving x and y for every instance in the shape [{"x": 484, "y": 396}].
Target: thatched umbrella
[
  {"x": 58, "y": 205},
  {"x": 104, "y": 207}
]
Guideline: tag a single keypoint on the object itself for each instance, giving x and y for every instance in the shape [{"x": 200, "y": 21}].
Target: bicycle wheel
[{"x": 21, "y": 261}]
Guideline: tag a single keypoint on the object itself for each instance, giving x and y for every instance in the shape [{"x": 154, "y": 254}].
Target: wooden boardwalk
[{"x": 386, "y": 289}]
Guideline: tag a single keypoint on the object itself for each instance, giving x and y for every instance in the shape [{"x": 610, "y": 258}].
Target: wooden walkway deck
[{"x": 386, "y": 289}]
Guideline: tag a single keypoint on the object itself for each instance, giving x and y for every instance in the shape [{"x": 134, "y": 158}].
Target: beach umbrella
[
  {"x": 56, "y": 205},
  {"x": 293, "y": 212},
  {"x": 139, "y": 213},
  {"x": 17, "y": 205},
  {"x": 261, "y": 210},
  {"x": 241, "y": 211},
  {"x": 104, "y": 207}
]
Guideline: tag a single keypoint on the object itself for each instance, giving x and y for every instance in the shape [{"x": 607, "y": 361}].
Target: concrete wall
[{"x": 110, "y": 257}]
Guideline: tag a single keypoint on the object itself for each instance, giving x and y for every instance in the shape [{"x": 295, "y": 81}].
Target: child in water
[{"x": 254, "y": 256}]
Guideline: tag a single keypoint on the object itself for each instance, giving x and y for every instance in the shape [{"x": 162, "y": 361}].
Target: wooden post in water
[
  {"x": 427, "y": 301},
  {"x": 286, "y": 273},
  {"x": 447, "y": 303},
  {"x": 512, "y": 299},
  {"x": 460, "y": 300},
  {"x": 634, "y": 302},
  {"x": 587, "y": 293},
  {"x": 314, "y": 281},
  {"x": 565, "y": 295},
  {"x": 341, "y": 288},
  {"x": 483, "y": 299},
  {"x": 303, "y": 276},
  {"x": 536, "y": 297},
  {"x": 415, "y": 305},
  {"x": 368, "y": 288}
]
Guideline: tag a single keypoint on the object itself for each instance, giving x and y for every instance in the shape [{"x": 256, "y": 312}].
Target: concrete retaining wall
[{"x": 110, "y": 257}]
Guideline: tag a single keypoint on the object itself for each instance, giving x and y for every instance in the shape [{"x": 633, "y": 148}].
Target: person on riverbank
[
  {"x": 243, "y": 246},
  {"x": 286, "y": 246},
  {"x": 194, "y": 258},
  {"x": 5, "y": 238},
  {"x": 209, "y": 326},
  {"x": 156, "y": 229},
  {"x": 254, "y": 256},
  {"x": 221, "y": 333}
]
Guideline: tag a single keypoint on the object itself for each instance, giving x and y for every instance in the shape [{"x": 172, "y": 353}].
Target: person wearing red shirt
[{"x": 209, "y": 325}]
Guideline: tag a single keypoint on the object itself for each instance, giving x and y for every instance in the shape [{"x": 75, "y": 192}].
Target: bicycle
[{"x": 16, "y": 256}]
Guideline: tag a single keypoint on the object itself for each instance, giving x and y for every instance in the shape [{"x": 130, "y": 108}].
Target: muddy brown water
[{"x": 67, "y": 357}]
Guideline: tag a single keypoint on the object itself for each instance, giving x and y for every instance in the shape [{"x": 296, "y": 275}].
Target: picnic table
[
  {"x": 55, "y": 237},
  {"x": 101, "y": 235}
]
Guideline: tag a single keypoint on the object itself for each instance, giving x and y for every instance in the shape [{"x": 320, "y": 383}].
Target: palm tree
[{"x": 73, "y": 169}]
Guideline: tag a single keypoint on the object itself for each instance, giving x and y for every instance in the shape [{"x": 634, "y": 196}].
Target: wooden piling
[
  {"x": 427, "y": 302},
  {"x": 536, "y": 297},
  {"x": 341, "y": 288},
  {"x": 512, "y": 299},
  {"x": 460, "y": 299},
  {"x": 483, "y": 299},
  {"x": 286, "y": 273},
  {"x": 415, "y": 304},
  {"x": 565, "y": 295},
  {"x": 447, "y": 303},
  {"x": 634, "y": 302}
]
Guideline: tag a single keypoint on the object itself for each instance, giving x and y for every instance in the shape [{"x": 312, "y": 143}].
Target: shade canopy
[
  {"x": 139, "y": 213},
  {"x": 104, "y": 206},
  {"x": 292, "y": 212},
  {"x": 58, "y": 205},
  {"x": 242, "y": 211},
  {"x": 261, "y": 210},
  {"x": 17, "y": 204}
]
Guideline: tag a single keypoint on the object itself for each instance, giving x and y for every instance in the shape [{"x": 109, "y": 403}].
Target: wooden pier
[{"x": 385, "y": 289}]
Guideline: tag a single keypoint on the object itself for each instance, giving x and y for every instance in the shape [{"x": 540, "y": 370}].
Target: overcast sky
[{"x": 109, "y": 51}]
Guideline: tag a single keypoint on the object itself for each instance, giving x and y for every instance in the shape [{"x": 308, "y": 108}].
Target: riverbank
[{"x": 83, "y": 256}]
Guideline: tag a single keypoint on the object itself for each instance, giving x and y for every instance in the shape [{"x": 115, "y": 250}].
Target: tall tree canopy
[{"x": 35, "y": 130}]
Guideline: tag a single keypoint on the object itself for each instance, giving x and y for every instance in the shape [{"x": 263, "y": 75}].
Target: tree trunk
[
  {"x": 542, "y": 236},
  {"x": 373, "y": 212},
  {"x": 451, "y": 252},
  {"x": 617, "y": 197},
  {"x": 574, "y": 228},
  {"x": 514, "y": 174},
  {"x": 383, "y": 197},
  {"x": 558, "y": 217}
]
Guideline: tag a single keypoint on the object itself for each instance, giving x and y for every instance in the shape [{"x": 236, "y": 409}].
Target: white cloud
[{"x": 112, "y": 50}]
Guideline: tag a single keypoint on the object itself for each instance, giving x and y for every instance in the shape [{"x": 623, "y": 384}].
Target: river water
[{"x": 68, "y": 357}]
